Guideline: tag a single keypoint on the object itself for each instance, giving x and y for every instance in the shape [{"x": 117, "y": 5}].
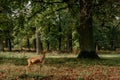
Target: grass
[{"x": 59, "y": 67}]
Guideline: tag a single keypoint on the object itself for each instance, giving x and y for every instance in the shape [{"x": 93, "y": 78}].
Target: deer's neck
[
  {"x": 43, "y": 59},
  {"x": 43, "y": 56}
]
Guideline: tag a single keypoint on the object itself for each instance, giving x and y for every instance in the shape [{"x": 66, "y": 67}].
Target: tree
[
  {"x": 87, "y": 44},
  {"x": 58, "y": 20},
  {"x": 106, "y": 24},
  {"x": 6, "y": 26}
]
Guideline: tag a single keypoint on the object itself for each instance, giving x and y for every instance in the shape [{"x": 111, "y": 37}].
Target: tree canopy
[{"x": 63, "y": 25}]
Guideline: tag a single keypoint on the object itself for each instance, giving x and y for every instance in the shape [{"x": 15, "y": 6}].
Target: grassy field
[{"x": 59, "y": 67}]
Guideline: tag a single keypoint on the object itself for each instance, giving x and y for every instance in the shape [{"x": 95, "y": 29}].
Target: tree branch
[
  {"x": 39, "y": 11},
  {"x": 118, "y": 24},
  {"x": 56, "y": 10},
  {"x": 41, "y": 1},
  {"x": 35, "y": 13}
]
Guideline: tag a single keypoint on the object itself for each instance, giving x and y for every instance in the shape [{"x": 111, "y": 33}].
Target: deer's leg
[
  {"x": 29, "y": 64},
  {"x": 40, "y": 66}
]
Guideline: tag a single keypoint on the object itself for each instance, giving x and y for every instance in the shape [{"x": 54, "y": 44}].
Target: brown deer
[{"x": 34, "y": 60}]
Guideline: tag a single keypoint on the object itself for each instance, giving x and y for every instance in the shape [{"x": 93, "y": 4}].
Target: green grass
[
  {"x": 56, "y": 65},
  {"x": 21, "y": 59}
]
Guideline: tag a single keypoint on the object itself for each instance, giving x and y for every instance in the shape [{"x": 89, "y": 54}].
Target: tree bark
[
  {"x": 59, "y": 29},
  {"x": 34, "y": 44},
  {"x": 69, "y": 41},
  {"x": 47, "y": 41},
  {"x": 87, "y": 43},
  {"x": 28, "y": 44},
  {"x": 9, "y": 43},
  {"x": 48, "y": 46},
  {"x": 1, "y": 46},
  {"x": 38, "y": 43}
]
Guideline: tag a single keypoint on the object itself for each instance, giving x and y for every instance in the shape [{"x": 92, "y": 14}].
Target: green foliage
[
  {"x": 21, "y": 18},
  {"x": 106, "y": 26}
]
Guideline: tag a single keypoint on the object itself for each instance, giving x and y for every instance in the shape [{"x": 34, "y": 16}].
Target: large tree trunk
[
  {"x": 47, "y": 41},
  {"x": 1, "y": 45},
  {"x": 59, "y": 29},
  {"x": 28, "y": 44},
  {"x": 34, "y": 44},
  {"x": 87, "y": 44},
  {"x": 39, "y": 47},
  {"x": 10, "y": 45},
  {"x": 69, "y": 41}
]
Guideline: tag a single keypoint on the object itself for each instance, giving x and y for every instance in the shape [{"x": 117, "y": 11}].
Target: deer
[{"x": 34, "y": 60}]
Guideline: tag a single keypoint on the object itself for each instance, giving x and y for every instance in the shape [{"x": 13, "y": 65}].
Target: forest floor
[{"x": 60, "y": 67}]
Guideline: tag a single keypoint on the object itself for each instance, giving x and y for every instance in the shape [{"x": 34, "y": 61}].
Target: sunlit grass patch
[
  {"x": 66, "y": 59},
  {"x": 109, "y": 56},
  {"x": 28, "y": 54}
]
